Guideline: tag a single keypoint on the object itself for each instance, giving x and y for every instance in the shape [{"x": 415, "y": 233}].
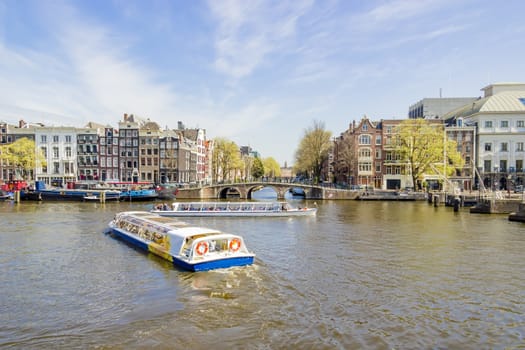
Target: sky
[{"x": 257, "y": 72}]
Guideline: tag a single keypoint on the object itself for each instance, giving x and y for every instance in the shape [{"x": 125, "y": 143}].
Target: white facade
[
  {"x": 201, "y": 155},
  {"x": 500, "y": 125},
  {"x": 59, "y": 146},
  {"x": 501, "y": 142}
]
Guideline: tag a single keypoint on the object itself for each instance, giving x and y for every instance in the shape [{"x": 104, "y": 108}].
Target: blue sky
[{"x": 255, "y": 72}]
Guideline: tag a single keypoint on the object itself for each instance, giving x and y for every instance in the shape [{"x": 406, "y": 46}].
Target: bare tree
[
  {"x": 313, "y": 150},
  {"x": 344, "y": 157}
]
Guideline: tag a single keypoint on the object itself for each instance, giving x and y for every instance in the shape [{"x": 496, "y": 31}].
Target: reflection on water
[{"x": 359, "y": 275}]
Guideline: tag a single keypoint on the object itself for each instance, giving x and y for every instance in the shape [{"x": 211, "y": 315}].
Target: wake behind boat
[
  {"x": 192, "y": 248},
  {"x": 246, "y": 209}
]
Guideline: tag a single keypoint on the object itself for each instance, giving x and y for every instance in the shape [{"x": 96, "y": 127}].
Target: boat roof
[
  {"x": 169, "y": 224},
  {"x": 232, "y": 203}
]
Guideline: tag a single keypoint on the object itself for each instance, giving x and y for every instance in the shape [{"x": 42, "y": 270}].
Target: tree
[
  {"x": 313, "y": 150},
  {"x": 257, "y": 168},
  {"x": 226, "y": 160},
  {"x": 425, "y": 149},
  {"x": 271, "y": 167},
  {"x": 344, "y": 156},
  {"x": 22, "y": 156}
]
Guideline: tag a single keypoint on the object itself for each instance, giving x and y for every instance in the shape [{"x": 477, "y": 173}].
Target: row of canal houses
[
  {"x": 489, "y": 131},
  {"x": 138, "y": 150}
]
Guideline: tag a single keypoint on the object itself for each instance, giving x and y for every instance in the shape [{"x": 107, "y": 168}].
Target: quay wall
[{"x": 503, "y": 206}]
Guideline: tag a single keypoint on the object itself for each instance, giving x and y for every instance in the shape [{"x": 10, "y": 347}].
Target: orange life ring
[
  {"x": 235, "y": 244},
  {"x": 201, "y": 248}
]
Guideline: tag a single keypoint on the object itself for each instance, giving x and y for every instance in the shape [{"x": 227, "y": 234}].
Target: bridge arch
[
  {"x": 245, "y": 190},
  {"x": 230, "y": 192},
  {"x": 279, "y": 191}
]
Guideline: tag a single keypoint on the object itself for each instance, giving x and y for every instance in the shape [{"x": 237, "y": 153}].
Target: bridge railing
[{"x": 269, "y": 180}]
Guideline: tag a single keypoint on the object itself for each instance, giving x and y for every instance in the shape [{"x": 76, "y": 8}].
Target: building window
[
  {"x": 378, "y": 140},
  {"x": 378, "y": 167},
  {"x": 519, "y": 146},
  {"x": 487, "y": 166},
  {"x": 364, "y": 140},
  {"x": 43, "y": 138},
  {"x": 365, "y": 127},
  {"x": 364, "y": 153},
  {"x": 488, "y": 146},
  {"x": 55, "y": 152},
  {"x": 504, "y": 147},
  {"x": 504, "y": 124},
  {"x": 488, "y": 123},
  {"x": 68, "y": 138},
  {"x": 503, "y": 166},
  {"x": 56, "y": 167},
  {"x": 68, "y": 152},
  {"x": 44, "y": 151},
  {"x": 520, "y": 123},
  {"x": 365, "y": 167},
  {"x": 55, "y": 138},
  {"x": 519, "y": 165}
]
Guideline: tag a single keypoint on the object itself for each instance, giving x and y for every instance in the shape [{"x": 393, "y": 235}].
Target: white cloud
[
  {"x": 248, "y": 31},
  {"x": 401, "y": 10}
]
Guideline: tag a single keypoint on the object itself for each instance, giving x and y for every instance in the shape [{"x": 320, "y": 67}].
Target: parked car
[{"x": 518, "y": 189}]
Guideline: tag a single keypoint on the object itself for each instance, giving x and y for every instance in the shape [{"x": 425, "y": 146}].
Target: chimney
[
  {"x": 22, "y": 123},
  {"x": 125, "y": 117}
]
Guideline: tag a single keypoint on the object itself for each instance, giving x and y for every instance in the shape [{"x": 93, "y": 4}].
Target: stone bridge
[{"x": 244, "y": 190}]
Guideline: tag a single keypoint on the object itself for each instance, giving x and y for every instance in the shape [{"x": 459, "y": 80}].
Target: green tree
[
  {"x": 257, "y": 168},
  {"x": 22, "y": 156},
  {"x": 423, "y": 146},
  {"x": 271, "y": 167},
  {"x": 313, "y": 150},
  {"x": 226, "y": 160}
]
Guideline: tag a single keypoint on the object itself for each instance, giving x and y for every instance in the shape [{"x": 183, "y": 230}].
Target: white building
[
  {"x": 59, "y": 147},
  {"x": 499, "y": 118},
  {"x": 435, "y": 108}
]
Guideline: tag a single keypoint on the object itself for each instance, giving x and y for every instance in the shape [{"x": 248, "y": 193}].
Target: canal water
[{"x": 360, "y": 275}]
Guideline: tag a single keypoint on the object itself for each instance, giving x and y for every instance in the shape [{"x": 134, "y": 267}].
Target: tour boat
[
  {"x": 188, "y": 247},
  {"x": 247, "y": 209}
]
